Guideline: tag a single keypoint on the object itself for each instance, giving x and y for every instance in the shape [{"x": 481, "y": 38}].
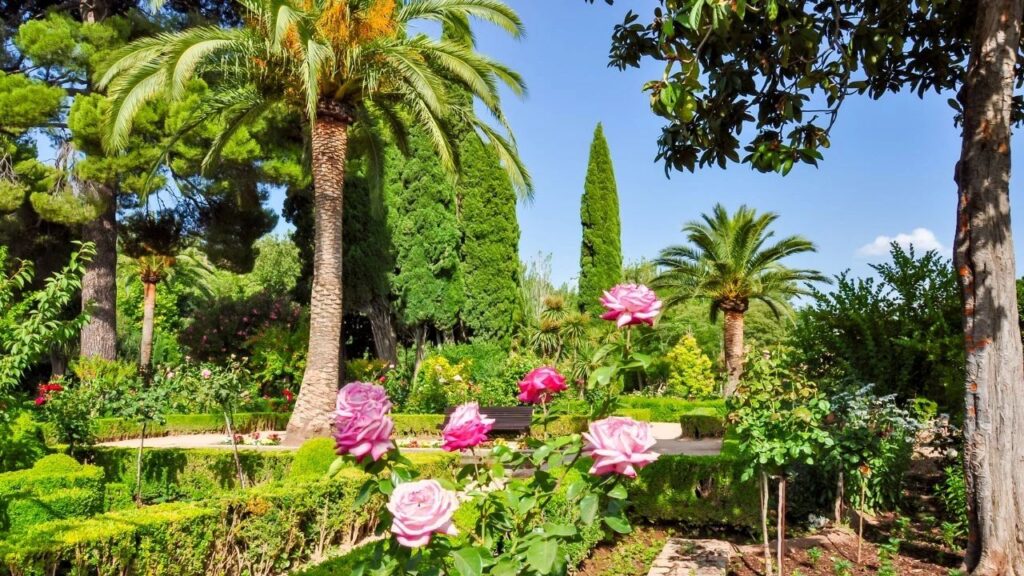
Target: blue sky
[{"x": 889, "y": 171}]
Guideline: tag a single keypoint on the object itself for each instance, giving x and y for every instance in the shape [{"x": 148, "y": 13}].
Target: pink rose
[
  {"x": 540, "y": 385},
  {"x": 619, "y": 446},
  {"x": 630, "y": 304},
  {"x": 466, "y": 427},
  {"x": 420, "y": 510},
  {"x": 207, "y": 373},
  {"x": 362, "y": 424}
]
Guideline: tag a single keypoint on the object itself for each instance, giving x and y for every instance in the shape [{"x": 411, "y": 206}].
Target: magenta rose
[
  {"x": 630, "y": 304},
  {"x": 421, "y": 509},
  {"x": 466, "y": 427},
  {"x": 619, "y": 446},
  {"x": 362, "y": 421},
  {"x": 540, "y": 385}
]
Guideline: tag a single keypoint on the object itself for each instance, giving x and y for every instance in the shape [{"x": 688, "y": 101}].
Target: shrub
[
  {"x": 111, "y": 429},
  {"x": 702, "y": 423},
  {"x": 365, "y": 369},
  {"x": 689, "y": 371},
  {"x": 417, "y": 424},
  {"x": 219, "y": 327},
  {"x": 190, "y": 474},
  {"x": 57, "y": 486},
  {"x": 313, "y": 459},
  {"x": 698, "y": 491},
  {"x": 670, "y": 409},
  {"x": 639, "y": 414},
  {"x": 23, "y": 446},
  {"x": 440, "y": 385}
]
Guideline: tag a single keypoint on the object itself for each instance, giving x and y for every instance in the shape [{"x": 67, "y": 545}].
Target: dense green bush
[
  {"x": 24, "y": 445},
  {"x": 267, "y": 529},
  {"x": 670, "y": 409},
  {"x": 702, "y": 422},
  {"x": 439, "y": 386},
  {"x": 417, "y": 424},
  {"x": 638, "y": 414},
  {"x": 313, "y": 459},
  {"x": 190, "y": 474},
  {"x": 57, "y": 486},
  {"x": 690, "y": 372},
  {"x": 111, "y": 429},
  {"x": 704, "y": 491}
]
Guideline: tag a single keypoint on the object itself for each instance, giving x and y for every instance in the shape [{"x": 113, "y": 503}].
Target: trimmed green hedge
[
  {"x": 112, "y": 429},
  {"x": 639, "y": 414},
  {"x": 189, "y": 473},
  {"x": 699, "y": 491},
  {"x": 702, "y": 422},
  {"x": 417, "y": 424},
  {"x": 55, "y": 487},
  {"x": 670, "y": 409},
  {"x": 267, "y": 529}
]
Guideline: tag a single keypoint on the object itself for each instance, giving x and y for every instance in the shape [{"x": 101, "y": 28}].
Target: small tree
[
  {"x": 689, "y": 370},
  {"x": 778, "y": 417},
  {"x": 224, "y": 387},
  {"x": 601, "y": 250},
  {"x": 145, "y": 403}
]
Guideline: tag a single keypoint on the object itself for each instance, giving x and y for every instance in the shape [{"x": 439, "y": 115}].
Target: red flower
[
  {"x": 382, "y": 379},
  {"x": 288, "y": 395},
  {"x": 40, "y": 400}
]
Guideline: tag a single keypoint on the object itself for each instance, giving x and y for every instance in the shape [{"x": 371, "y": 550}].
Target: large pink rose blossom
[
  {"x": 631, "y": 304},
  {"x": 362, "y": 421},
  {"x": 466, "y": 427},
  {"x": 619, "y": 446},
  {"x": 421, "y": 509},
  {"x": 540, "y": 385}
]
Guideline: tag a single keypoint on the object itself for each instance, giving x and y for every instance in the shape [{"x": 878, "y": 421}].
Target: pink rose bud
[
  {"x": 540, "y": 385},
  {"x": 362, "y": 424},
  {"x": 466, "y": 428},
  {"x": 619, "y": 446},
  {"x": 421, "y": 509},
  {"x": 630, "y": 304},
  {"x": 207, "y": 374}
]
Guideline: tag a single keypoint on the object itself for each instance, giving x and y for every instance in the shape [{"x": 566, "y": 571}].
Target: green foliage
[
  {"x": 697, "y": 491},
  {"x": 901, "y": 331},
  {"x": 601, "y": 251},
  {"x": 277, "y": 266},
  {"x": 689, "y": 371},
  {"x": 369, "y": 249},
  {"x": 425, "y": 230},
  {"x": 490, "y": 243},
  {"x": 112, "y": 429},
  {"x": 417, "y": 425},
  {"x": 727, "y": 264},
  {"x": 69, "y": 409},
  {"x": 22, "y": 444},
  {"x": 441, "y": 385},
  {"x": 671, "y": 409},
  {"x": 55, "y": 487},
  {"x": 24, "y": 104},
  {"x": 493, "y": 371},
  {"x": 702, "y": 423},
  {"x": 313, "y": 459},
  {"x": 779, "y": 417},
  {"x": 952, "y": 494},
  {"x": 189, "y": 474},
  {"x": 33, "y": 321}
]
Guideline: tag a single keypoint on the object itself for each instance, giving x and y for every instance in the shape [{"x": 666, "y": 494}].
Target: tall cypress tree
[
  {"x": 490, "y": 243},
  {"x": 601, "y": 251}
]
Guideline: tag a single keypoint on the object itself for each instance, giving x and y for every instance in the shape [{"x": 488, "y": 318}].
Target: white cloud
[{"x": 922, "y": 239}]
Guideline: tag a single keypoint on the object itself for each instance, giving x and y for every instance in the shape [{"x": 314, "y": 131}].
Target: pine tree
[
  {"x": 490, "y": 244},
  {"x": 601, "y": 251}
]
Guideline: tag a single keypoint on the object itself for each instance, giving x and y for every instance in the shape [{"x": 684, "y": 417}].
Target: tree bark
[
  {"x": 385, "y": 341},
  {"x": 764, "y": 524},
  {"x": 733, "y": 335},
  {"x": 315, "y": 404},
  {"x": 99, "y": 283},
  {"x": 984, "y": 260},
  {"x": 138, "y": 466},
  {"x": 148, "y": 311},
  {"x": 780, "y": 537}
]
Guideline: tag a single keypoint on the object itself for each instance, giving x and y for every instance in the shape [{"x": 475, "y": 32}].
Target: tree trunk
[
  {"x": 138, "y": 466},
  {"x": 420, "y": 336},
  {"x": 385, "y": 342},
  {"x": 234, "y": 448},
  {"x": 780, "y": 537},
  {"x": 984, "y": 259},
  {"x": 148, "y": 310},
  {"x": 840, "y": 496},
  {"x": 99, "y": 284},
  {"x": 733, "y": 335},
  {"x": 315, "y": 404},
  {"x": 764, "y": 524}
]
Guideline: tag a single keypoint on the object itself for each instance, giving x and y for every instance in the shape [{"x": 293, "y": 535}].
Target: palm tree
[
  {"x": 729, "y": 262},
  {"x": 348, "y": 66}
]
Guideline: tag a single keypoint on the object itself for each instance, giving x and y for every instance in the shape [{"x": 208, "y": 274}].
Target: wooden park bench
[{"x": 507, "y": 419}]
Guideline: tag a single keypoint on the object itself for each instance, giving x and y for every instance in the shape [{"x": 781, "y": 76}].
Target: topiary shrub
[
  {"x": 690, "y": 372},
  {"x": 697, "y": 491},
  {"x": 23, "y": 446},
  {"x": 313, "y": 459},
  {"x": 702, "y": 423},
  {"x": 407, "y": 425},
  {"x": 27, "y": 510},
  {"x": 57, "y": 486}
]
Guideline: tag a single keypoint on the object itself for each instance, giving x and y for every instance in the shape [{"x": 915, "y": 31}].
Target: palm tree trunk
[
  {"x": 733, "y": 351},
  {"x": 99, "y": 284},
  {"x": 148, "y": 310},
  {"x": 315, "y": 404},
  {"x": 984, "y": 259}
]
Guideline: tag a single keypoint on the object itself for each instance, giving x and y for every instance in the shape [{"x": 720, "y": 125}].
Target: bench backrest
[{"x": 506, "y": 418}]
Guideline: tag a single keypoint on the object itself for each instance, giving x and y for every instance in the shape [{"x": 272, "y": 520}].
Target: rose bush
[{"x": 509, "y": 492}]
